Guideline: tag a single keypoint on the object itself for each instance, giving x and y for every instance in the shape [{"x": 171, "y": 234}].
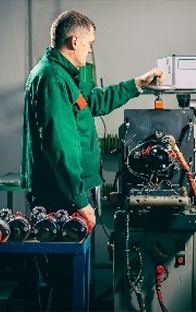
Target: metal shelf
[{"x": 81, "y": 253}]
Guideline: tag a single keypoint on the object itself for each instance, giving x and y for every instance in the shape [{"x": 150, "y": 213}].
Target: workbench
[{"x": 81, "y": 252}]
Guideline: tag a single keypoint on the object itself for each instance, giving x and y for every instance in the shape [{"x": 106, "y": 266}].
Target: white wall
[
  {"x": 130, "y": 37},
  {"x": 12, "y": 71}
]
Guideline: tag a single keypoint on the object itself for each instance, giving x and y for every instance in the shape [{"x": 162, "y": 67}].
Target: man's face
[{"x": 83, "y": 47}]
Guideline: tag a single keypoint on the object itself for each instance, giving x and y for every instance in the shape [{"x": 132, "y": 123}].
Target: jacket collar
[{"x": 54, "y": 55}]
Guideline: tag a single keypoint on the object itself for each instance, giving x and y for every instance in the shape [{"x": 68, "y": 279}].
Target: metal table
[{"x": 10, "y": 183}]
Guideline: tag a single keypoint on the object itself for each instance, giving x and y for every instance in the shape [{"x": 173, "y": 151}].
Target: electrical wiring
[{"x": 134, "y": 268}]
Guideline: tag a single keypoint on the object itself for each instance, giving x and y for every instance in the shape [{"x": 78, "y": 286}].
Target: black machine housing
[{"x": 153, "y": 180}]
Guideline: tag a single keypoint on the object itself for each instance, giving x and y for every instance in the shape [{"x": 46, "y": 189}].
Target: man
[{"x": 60, "y": 147}]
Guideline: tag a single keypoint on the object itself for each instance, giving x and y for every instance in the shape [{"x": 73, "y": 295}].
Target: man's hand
[
  {"x": 88, "y": 213},
  {"x": 149, "y": 78}
]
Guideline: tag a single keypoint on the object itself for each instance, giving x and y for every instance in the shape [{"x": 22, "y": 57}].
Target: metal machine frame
[{"x": 154, "y": 226}]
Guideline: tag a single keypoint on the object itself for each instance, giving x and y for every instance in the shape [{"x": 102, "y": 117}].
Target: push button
[{"x": 180, "y": 259}]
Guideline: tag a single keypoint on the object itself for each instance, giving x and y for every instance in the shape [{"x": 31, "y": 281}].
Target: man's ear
[{"x": 73, "y": 42}]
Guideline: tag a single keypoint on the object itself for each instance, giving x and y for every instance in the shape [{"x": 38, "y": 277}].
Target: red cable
[{"x": 160, "y": 269}]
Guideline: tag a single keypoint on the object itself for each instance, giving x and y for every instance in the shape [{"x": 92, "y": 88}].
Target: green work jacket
[{"x": 60, "y": 145}]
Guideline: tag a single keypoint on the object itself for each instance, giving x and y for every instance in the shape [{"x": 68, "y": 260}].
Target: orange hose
[{"x": 184, "y": 164}]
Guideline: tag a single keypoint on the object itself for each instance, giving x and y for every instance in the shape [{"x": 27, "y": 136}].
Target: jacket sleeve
[
  {"x": 61, "y": 144},
  {"x": 104, "y": 100}
]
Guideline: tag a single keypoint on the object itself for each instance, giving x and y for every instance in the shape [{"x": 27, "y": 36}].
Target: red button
[{"x": 180, "y": 259}]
